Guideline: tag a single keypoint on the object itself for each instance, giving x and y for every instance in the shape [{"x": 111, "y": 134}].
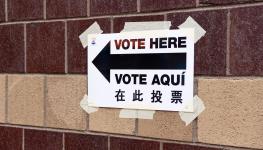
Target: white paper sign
[{"x": 150, "y": 70}]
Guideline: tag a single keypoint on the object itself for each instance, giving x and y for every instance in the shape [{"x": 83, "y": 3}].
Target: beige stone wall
[
  {"x": 2, "y": 98},
  {"x": 233, "y": 114}
]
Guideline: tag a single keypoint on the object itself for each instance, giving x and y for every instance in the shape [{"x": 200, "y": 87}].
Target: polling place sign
[{"x": 150, "y": 70}]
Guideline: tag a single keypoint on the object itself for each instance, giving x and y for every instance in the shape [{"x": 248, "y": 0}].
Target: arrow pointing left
[{"x": 105, "y": 61}]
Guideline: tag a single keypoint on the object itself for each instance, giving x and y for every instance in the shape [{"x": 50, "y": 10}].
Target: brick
[
  {"x": 11, "y": 49},
  {"x": 26, "y": 99},
  {"x": 246, "y": 53},
  {"x": 160, "y": 5},
  {"x": 119, "y": 22},
  {"x": 172, "y": 146},
  {"x": 2, "y": 10},
  {"x": 210, "y": 50},
  {"x": 10, "y": 138},
  {"x": 66, "y": 8},
  {"x": 77, "y": 55},
  {"x": 224, "y": 2},
  {"x": 2, "y": 98},
  {"x": 25, "y": 10},
  {"x": 85, "y": 142},
  {"x": 46, "y": 47},
  {"x": 107, "y": 120},
  {"x": 110, "y": 7},
  {"x": 63, "y": 97},
  {"x": 165, "y": 125},
  {"x": 132, "y": 144},
  {"x": 42, "y": 140},
  {"x": 233, "y": 112}
]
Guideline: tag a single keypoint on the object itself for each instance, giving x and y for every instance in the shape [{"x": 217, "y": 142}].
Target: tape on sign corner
[
  {"x": 148, "y": 25},
  {"x": 93, "y": 29},
  {"x": 134, "y": 113},
  {"x": 84, "y": 104},
  {"x": 199, "y": 107},
  {"x": 191, "y": 23}
]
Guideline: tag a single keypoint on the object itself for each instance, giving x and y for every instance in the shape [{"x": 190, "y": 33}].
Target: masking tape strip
[
  {"x": 128, "y": 113},
  {"x": 145, "y": 114},
  {"x": 150, "y": 25},
  {"x": 133, "y": 113},
  {"x": 142, "y": 26},
  {"x": 84, "y": 104},
  {"x": 93, "y": 29},
  {"x": 191, "y": 23},
  {"x": 198, "y": 104},
  {"x": 199, "y": 107}
]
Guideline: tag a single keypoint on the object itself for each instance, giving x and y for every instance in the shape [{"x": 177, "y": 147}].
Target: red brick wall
[
  {"x": 41, "y": 37},
  {"x": 31, "y": 139}
]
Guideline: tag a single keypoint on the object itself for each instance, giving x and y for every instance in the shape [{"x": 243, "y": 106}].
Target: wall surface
[{"x": 43, "y": 76}]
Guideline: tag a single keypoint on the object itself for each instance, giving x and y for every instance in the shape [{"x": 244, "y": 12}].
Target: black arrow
[{"x": 105, "y": 61}]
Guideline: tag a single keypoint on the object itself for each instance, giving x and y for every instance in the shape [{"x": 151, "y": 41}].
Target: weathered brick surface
[
  {"x": 108, "y": 7},
  {"x": 42, "y": 140},
  {"x": 246, "y": 45},
  {"x": 2, "y": 10},
  {"x": 11, "y": 48},
  {"x": 224, "y": 2},
  {"x": 25, "y": 9},
  {"x": 77, "y": 55},
  {"x": 10, "y": 138},
  {"x": 171, "y": 146},
  {"x": 165, "y": 125},
  {"x": 119, "y": 22},
  {"x": 210, "y": 50},
  {"x": 130, "y": 144},
  {"x": 85, "y": 142},
  {"x": 66, "y": 8},
  {"x": 46, "y": 47},
  {"x": 26, "y": 100},
  {"x": 233, "y": 114},
  {"x": 64, "y": 94},
  {"x": 107, "y": 120},
  {"x": 160, "y": 5}
]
